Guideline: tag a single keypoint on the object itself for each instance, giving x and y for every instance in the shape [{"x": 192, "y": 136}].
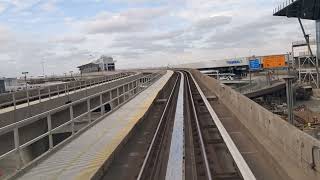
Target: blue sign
[
  {"x": 234, "y": 61},
  {"x": 254, "y": 64}
]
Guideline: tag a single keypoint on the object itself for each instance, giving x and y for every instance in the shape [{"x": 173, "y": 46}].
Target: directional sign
[
  {"x": 254, "y": 64},
  {"x": 276, "y": 61}
]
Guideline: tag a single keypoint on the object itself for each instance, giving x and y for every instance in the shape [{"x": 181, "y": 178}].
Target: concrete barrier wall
[{"x": 290, "y": 147}]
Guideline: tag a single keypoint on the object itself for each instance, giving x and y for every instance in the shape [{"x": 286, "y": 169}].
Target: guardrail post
[
  {"x": 123, "y": 93},
  {"x": 28, "y": 100},
  {"x": 50, "y": 131},
  {"x": 72, "y": 119},
  {"x": 89, "y": 109},
  {"x": 110, "y": 95},
  {"x": 39, "y": 94},
  {"x": 49, "y": 91},
  {"x": 17, "y": 145},
  {"x": 101, "y": 105},
  {"x": 58, "y": 90},
  {"x": 118, "y": 99},
  {"x": 65, "y": 89},
  {"x": 14, "y": 101}
]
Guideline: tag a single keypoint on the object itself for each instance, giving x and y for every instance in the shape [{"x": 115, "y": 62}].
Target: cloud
[
  {"x": 131, "y": 20},
  {"x": 212, "y": 22},
  {"x": 70, "y": 39},
  {"x": 49, "y": 6},
  {"x": 138, "y": 32}
]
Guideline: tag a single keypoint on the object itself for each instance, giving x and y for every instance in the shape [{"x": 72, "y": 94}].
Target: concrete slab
[{"x": 82, "y": 157}]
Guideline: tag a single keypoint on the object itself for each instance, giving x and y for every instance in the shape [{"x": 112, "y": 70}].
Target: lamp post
[
  {"x": 25, "y": 78},
  {"x": 42, "y": 63},
  {"x": 71, "y": 73}
]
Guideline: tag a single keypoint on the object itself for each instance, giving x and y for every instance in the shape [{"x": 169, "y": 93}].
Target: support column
[
  {"x": 318, "y": 39},
  {"x": 289, "y": 88}
]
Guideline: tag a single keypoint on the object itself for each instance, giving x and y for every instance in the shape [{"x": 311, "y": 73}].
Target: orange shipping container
[{"x": 275, "y": 61}]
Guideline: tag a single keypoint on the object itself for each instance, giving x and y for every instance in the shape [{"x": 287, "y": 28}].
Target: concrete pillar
[{"x": 289, "y": 88}]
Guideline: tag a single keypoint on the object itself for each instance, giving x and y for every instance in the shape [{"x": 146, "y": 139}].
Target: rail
[
  {"x": 203, "y": 149},
  {"x": 126, "y": 91},
  {"x": 143, "y": 167},
  {"x": 236, "y": 155},
  {"x": 29, "y": 95}
]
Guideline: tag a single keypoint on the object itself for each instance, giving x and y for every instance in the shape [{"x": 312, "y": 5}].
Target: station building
[
  {"x": 239, "y": 66},
  {"x": 104, "y": 63}
]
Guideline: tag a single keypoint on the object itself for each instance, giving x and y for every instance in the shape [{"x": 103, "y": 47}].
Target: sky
[{"x": 63, "y": 34}]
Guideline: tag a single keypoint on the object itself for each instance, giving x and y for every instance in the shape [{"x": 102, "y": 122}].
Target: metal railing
[
  {"x": 29, "y": 95},
  {"x": 133, "y": 88},
  {"x": 283, "y": 5}
]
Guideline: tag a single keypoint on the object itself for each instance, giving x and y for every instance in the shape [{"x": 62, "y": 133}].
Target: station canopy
[{"x": 304, "y": 9}]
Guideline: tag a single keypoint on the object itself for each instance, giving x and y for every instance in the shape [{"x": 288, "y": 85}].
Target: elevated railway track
[
  {"x": 189, "y": 142},
  {"x": 171, "y": 125}
]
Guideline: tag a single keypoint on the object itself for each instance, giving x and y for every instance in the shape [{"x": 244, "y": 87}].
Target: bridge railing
[
  {"x": 117, "y": 95},
  {"x": 283, "y": 5},
  {"x": 38, "y": 94}
]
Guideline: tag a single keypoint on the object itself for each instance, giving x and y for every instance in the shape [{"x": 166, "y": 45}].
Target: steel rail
[
  {"x": 157, "y": 131},
  {"x": 203, "y": 150},
  {"x": 176, "y": 163},
  {"x": 236, "y": 155}
]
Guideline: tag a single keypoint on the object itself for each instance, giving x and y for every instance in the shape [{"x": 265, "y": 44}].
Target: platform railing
[
  {"x": 124, "y": 93},
  {"x": 38, "y": 94},
  {"x": 283, "y": 5}
]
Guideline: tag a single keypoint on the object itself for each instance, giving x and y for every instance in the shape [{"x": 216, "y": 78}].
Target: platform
[
  {"x": 299, "y": 8},
  {"x": 82, "y": 157}
]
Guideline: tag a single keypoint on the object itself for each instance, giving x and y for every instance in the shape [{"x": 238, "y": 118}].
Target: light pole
[
  {"x": 42, "y": 63},
  {"x": 25, "y": 78}
]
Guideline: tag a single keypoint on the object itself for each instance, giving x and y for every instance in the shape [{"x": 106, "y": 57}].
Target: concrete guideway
[
  {"x": 84, "y": 156},
  {"x": 241, "y": 164},
  {"x": 175, "y": 168},
  {"x": 293, "y": 153},
  {"x": 170, "y": 156}
]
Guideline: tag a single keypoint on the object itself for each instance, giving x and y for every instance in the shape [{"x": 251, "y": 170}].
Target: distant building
[
  {"x": 104, "y": 63},
  {"x": 8, "y": 84},
  {"x": 2, "y": 86}
]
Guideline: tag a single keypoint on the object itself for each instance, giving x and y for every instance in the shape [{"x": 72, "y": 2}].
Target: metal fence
[
  {"x": 123, "y": 94},
  {"x": 38, "y": 94},
  {"x": 283, "y": 5}
]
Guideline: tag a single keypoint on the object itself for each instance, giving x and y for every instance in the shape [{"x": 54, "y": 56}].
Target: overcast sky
[{"x": 137, "y": 33}]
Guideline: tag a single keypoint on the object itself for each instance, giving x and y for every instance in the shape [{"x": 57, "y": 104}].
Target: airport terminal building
[{"x": 240, "y": 66}]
